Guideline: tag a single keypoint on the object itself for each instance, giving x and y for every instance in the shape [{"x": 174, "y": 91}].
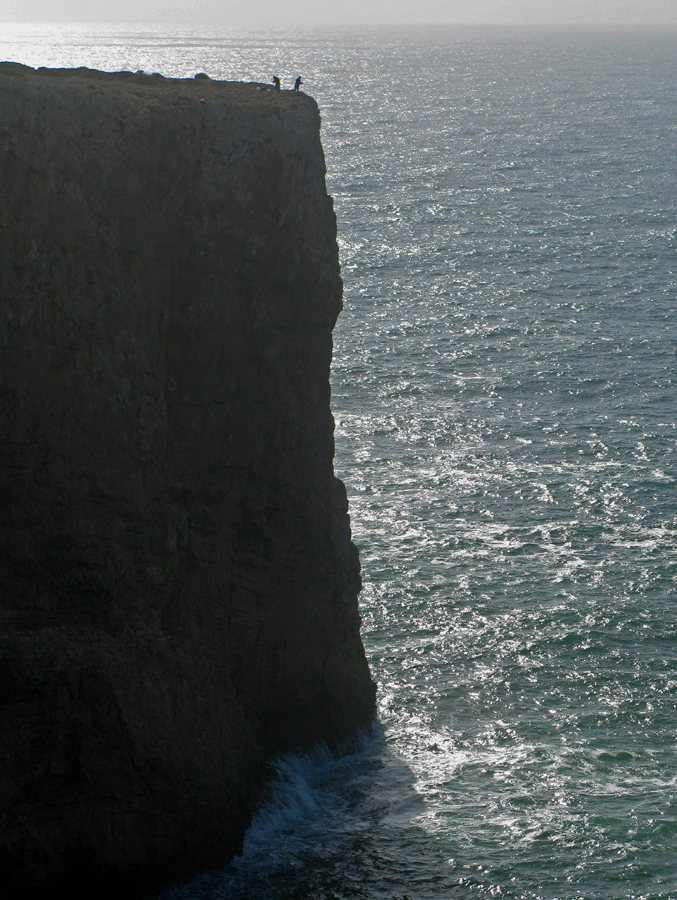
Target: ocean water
[{"x": 504, "y": 389}]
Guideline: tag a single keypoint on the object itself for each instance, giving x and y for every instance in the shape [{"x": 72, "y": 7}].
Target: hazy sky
[{"x": 317, "y": 12}]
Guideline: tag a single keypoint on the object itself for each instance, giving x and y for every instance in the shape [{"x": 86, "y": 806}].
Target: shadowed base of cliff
[{"x": 178, "y": 586}]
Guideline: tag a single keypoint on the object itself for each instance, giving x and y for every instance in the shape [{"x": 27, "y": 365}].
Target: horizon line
[{"x": 291, "y": 23}]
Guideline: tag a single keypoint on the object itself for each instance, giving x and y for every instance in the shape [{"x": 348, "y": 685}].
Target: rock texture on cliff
[{"x": 178, "y": 589}]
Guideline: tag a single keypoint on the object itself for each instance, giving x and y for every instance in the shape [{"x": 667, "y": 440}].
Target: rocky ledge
[{"x": 178, "y": 587}]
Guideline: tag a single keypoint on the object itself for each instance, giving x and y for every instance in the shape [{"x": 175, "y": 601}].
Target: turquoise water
[{"x": 505, "y": 403}]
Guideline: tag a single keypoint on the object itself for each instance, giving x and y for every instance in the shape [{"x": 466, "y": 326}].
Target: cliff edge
[{"x": 178, "y": 588}]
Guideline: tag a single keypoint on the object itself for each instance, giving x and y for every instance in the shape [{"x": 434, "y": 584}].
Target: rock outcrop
[{"x": 178, "y": 588}]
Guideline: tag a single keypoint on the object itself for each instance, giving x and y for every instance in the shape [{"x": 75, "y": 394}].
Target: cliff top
[{"x": 264, "y": 97}]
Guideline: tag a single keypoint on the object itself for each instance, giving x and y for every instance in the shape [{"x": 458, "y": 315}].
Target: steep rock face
[{"x": 178, "y": 589}]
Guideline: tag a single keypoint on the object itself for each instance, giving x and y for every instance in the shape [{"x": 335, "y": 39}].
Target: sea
[{"x": 504, "y": 387}]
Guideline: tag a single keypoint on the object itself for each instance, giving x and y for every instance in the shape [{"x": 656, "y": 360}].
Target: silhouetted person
[
  {"x": 297, "y": 83},
  {"x": 276, "y": 82}
]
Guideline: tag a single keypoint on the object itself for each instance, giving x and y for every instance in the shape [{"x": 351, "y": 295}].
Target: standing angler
[{"x": 297, "y": 83}]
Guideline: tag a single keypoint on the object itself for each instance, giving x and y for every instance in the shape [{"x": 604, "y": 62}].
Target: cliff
[{"x": 178, "y": 588}]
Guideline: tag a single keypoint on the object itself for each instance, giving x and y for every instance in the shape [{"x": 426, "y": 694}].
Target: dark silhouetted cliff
[{"x": 178, "y": 589}]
